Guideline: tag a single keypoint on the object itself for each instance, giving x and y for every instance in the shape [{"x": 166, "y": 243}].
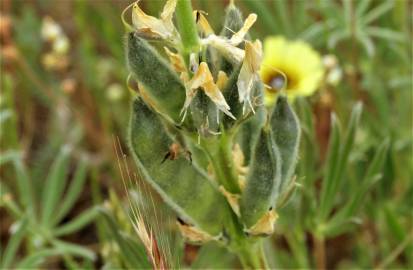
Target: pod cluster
[{"x": 199, "y": 132}]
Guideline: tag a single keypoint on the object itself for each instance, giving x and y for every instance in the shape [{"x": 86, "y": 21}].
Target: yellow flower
[{"x": 292, "y": 66}]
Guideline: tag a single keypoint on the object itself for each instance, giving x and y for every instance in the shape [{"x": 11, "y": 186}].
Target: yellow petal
[
  {"x": 176, "y": 61},
  {"x": 222, "y": 79},
  {"x": 203, "y": 23},
  {"x": 203, "y": 78},
  {"x": 193, "y": 234},
  {"x": 265, "y": 225},
  {"x": 232, "y": 199},
  {"x": 230, "y": 52},
  {"x": 168, "y": 10},
  {"x": 249, "y": 71},
  {"x": 238, "y": 37},
  {"x": 239, "y": 159},
  {"x": 167, "y": 15},
  {"x": 286, "y": 57}
]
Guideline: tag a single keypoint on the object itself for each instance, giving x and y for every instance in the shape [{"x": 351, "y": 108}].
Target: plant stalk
[
  {"x": 187, "y": 28},
  {"x": 219, "y": 153},
  {"x": 252, "y": 256},
  {"x": 319, "y": 252}
]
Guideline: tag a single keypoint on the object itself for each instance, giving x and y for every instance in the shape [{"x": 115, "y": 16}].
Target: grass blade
[
  {"x": 337, "y": 224},
  {"x": 77, "y": 223},
  {"x": 24, "y": 185},
  {"x": 73, "y": 192},
  {"x": 55, "y": 184},
  {"x": 19, "y": 231},
  {"x": 339, "y": 161},
  {"x": 377, "y": 12},
  {"x": 73, "y": 249},
  {"x": 362, "y": 6},
  {"x": 37, "y": 258},
  {"x": 384, "y": 33},
  {"x": 263, "y": 12},
  {"x": 332, "y": 165}
]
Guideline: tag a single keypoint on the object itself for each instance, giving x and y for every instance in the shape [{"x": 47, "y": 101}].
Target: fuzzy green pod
[
  {"x": 204, "y": 114},
  {"x": 286, "y": 132},
  {"x": 162, "y": 85},
  {"x": 180, "y": 183},
  {"x": 263, "y": 180},
  {"x": 233, "y": 23}
]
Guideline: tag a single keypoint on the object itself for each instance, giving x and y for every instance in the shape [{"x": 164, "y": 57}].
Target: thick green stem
[
  {"x": 187, "y": 27},
  {"x": 248, "y": 249},
  {"x": 220, "y": 155},
  {"x": 252, "y": 256}
]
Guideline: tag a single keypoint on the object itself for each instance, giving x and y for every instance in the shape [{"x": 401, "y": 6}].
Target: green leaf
[
  {"x": 367, "y": 43},
  {"x": 54, "y": 185},
  {"x": 7, "y": 201},
  {"x": 377, "y": 12},
  {"x": 267, "y": 18},
  {"x": 327, "y": 192},
  {"x": 282, "y": 10},
  {"x": 337, "y": 36},
  {"x": 182, "y": 185},
  {"x": 19, "y": 231},
  {"x": 384, "y": 33},
  {"x": 362, "y": 6},
  {"x": 73, "y": 192},
  {"x": 36, "y": 258},
  {"x": 78, "y": 222},
  {"x": 24, "y": 185},
  {"x": 312, "y": 32},
  {"x": 337, "y": 223},
  {"x": 73, "y": 249},
  {"x": 337, "y": 161}
]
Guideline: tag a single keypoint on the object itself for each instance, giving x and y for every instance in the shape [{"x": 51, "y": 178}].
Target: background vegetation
[{"x": 63, "y": 125}]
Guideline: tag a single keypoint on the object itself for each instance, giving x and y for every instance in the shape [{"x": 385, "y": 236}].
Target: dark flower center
[{"x": 277, "y": 82}]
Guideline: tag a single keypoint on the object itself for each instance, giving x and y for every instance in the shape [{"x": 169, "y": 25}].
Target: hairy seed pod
[
  {"x": 233, "y": 21},
  {"x": 204, "y": 114},
  {"x": 181, "y": 184},
  {"x": 232, "y": 24},
  {"x": 161, "y": 84},
  {"x": 286, "y": 132},
  {"x": 263, "y": 180}
]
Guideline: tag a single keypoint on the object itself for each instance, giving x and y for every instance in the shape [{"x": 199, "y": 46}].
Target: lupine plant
[{"x": 199, "y": 131}]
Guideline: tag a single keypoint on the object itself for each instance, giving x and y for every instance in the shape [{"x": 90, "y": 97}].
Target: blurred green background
[{"x": 64, "y": 118}]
